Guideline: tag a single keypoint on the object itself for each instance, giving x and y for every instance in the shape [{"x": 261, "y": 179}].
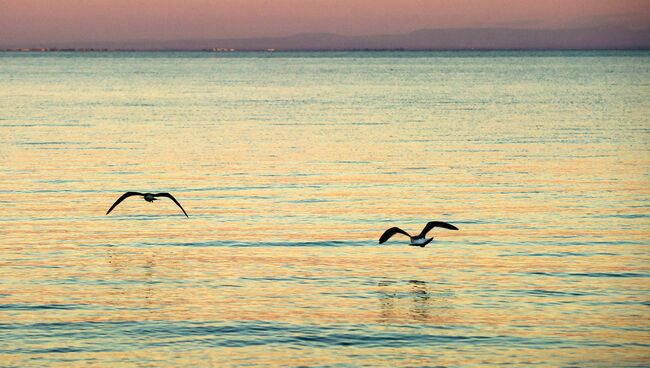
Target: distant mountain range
[{"x": 612, "y": 37}]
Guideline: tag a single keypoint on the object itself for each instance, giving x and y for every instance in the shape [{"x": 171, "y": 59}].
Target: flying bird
[
  {"x": 149, "y": 197},
  {"x": 419, "y": 240}
]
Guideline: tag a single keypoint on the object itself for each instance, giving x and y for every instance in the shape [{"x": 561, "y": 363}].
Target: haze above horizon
[{"x": 30, "y": 22}]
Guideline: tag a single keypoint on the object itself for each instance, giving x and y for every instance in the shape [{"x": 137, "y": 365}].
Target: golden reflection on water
[
  {"x": 357, "y": 285},
  {"x": 287, "y": 198}
]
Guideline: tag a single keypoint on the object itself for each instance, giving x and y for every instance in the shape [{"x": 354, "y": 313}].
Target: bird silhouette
[
  {"x": 149, "y": 197},
  {"x": 419, "y": 240}
]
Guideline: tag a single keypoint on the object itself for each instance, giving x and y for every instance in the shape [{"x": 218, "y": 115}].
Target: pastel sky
[{"x": 119, "y": 20}]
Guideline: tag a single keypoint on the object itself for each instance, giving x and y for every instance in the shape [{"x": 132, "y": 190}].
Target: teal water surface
[{"x": 290, "y": 166}]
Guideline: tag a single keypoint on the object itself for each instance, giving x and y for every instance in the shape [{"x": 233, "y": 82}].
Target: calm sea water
[{"x": 290, "y": 167}]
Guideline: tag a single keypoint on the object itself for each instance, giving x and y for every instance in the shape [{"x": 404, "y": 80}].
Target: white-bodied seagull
[
  {"x": 149, "y": 197},
  {"x": 418, "y": 240}
]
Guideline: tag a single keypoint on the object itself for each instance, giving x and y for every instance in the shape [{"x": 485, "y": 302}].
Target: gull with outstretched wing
[
  {"x": 149, "y": 197},
  {"x": 419, "y": 240}
]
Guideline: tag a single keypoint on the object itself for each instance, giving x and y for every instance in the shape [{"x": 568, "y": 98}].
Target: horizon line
[
  {"x": 611, "y": 37},
  {"x": 204, "y": 50}
]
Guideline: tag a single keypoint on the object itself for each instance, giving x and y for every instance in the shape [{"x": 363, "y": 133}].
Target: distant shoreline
[
  {"x": 93, "y": 50},
  {"x": 465, "y": 39}
]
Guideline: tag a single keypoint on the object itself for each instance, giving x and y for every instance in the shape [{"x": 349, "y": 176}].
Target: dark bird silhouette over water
[
  {"x": 149, "y": 197},
  {"x": 419, "y": 240}
]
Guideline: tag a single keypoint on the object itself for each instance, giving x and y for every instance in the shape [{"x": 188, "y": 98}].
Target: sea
[{"x": 290, "y": 166}]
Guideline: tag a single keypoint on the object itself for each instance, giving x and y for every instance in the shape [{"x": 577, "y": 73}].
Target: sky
[{"x": 28, "y": 21}]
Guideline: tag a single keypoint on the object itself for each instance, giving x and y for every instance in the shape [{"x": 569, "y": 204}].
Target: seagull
[
  {"x": 149, "y": 197},
  {"x": 418, "y": 240}
]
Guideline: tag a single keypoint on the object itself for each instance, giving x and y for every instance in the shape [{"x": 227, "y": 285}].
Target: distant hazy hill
[{"x": 429, "y": 39}]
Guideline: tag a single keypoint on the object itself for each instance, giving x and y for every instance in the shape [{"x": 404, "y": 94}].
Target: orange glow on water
[{"x": 290, "y": 168}]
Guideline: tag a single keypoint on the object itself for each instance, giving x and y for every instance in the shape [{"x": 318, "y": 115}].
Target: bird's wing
[
  {"x": 433, "y": 224},
  {"x": 123, "y": 197},
  {"x": 173, "y": 199},
  {"x": 390, "y": 232}
]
